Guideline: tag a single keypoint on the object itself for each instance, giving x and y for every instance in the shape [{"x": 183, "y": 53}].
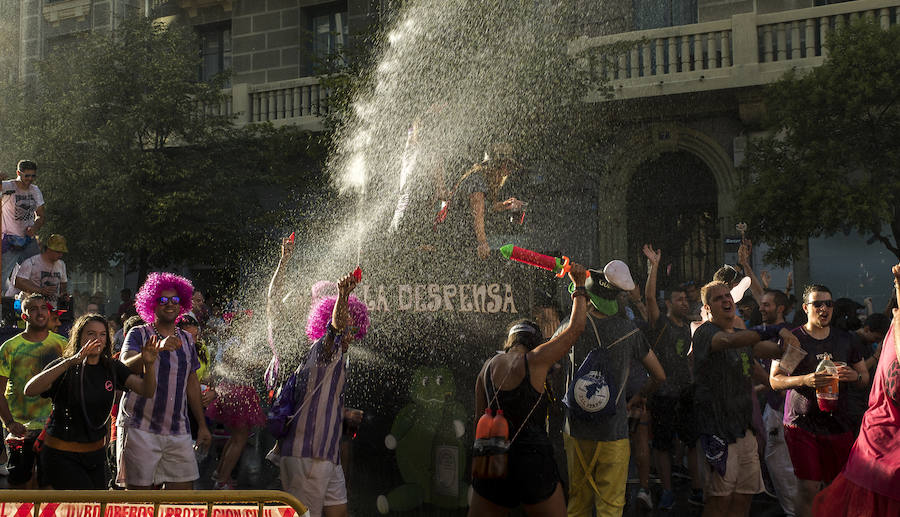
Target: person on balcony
[
  {"x": 45, "y": 273},
  {"x": 22, "y": 217}
]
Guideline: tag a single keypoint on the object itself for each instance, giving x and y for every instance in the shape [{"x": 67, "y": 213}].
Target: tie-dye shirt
[
  {"x": 166, "y": 412},
  {"x": 20, "y": 360},
  {"x": 316, "y": 430}
]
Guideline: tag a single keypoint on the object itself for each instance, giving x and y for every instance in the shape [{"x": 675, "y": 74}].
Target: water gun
[
  {"x": 557, "y": 265},
  {"x": 292, "y": 237},
  {"x": 357, "y": 274}
]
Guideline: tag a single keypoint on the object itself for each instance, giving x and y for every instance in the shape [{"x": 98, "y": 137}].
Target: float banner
[{"x": 142, "y": 510}]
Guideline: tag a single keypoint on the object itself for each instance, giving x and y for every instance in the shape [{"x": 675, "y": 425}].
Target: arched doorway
[{"x": 673, "y": 204}]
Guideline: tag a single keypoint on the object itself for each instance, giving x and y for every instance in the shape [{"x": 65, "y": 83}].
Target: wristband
[{"x": 579, "y": 291}]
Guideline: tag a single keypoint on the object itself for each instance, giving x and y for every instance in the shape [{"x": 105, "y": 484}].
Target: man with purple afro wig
[
  {"x": 310, "y": 453},
  {"x": 154, "y": 445}
]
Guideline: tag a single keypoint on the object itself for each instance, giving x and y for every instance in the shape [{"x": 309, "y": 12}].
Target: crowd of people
[{"x": 720, "y": 382}]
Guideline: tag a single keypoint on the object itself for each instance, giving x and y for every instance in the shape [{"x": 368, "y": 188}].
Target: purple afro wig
[
  {"x": 146, "y": 299},
  {"x": 321, "y": 310}
]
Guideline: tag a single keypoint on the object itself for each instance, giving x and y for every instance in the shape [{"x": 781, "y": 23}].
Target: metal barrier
[{"x": 211, "y": 498}]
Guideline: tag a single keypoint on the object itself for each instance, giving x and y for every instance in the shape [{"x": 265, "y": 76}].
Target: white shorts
[
  {"x": 316, "y": 483},
  {"x": 146, "y": 459}
]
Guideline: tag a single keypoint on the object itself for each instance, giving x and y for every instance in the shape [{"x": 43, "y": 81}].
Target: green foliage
[
  {"x": 132, "y": 168},
  {"x": 832, "y": 162}
]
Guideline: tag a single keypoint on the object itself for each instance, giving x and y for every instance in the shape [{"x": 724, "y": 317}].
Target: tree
[
  {"x": 832, "y": 160},
  {"x": 133, "y": 168}
]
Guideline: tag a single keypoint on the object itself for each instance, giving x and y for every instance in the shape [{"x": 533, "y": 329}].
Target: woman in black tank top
[{"x": 514, "y": 382}]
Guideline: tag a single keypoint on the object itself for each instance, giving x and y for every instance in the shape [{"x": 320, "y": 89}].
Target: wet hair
[
  {"x": 320, "y": 313},
  {"x": 780, "y": 299},
  {"x": 75, "y": 337},
  {"x": 672, "y": 291},
  {"x": 146, "y": 299},
  {"x": 523, "y": 332},
  {"x": 878, "y": 322},
  {"x": 26, "y": 165},
  {"x": 30, "y": 297},
  {"x": 814, "y": 288},
  {"x": 727, "y": 274},
  {"x": 704, "y": 291}
]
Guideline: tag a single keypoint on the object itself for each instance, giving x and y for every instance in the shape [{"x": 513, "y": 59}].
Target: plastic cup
[{"x": 791, "y": 358}]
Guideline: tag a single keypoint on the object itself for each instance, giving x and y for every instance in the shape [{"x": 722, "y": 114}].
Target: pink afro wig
[
  {"x": 321, "y": 310},
  {"x": 146, "y": 299}
]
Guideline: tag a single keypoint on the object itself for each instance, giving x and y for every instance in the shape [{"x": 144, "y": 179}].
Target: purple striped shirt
[
  {"x": 166, "y": 412},
  {"x": 316, "y": 430}
]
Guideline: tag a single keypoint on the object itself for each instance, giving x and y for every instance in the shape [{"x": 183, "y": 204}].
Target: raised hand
[
  {"x": 577, "y": 273},
  {"x": 287, "y": 249},
  {"x": 91, "y": 347},
  {"x": 170, "y": 343},
  {"x": 150, "y": 351},
  {"x": 652, "y": 256},
  {"x": 346, "y": 285},
  {"x": 765, "y": 278}
]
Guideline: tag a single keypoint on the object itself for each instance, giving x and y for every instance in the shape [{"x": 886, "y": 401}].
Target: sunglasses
[
  {"x": 819, "y": 303},
  {"x": 163, "y": 300}
]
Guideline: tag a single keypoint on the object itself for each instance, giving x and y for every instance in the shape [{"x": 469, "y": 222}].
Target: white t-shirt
[
  {"x": 43, "y": 273},
  {"x": 19, "y": 206}
]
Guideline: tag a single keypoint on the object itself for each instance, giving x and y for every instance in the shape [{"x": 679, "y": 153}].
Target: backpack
[
  {"x": 594, "y": 391},
  {"x": 283, "y": 410}
]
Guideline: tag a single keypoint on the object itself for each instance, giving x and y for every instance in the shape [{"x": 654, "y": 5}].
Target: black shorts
[
  {"x": 22, "y": 458},
  {"x": 672, "y": 418},
  {"x": 63, "y": 470},
  {"x": 532, "y": 477}
]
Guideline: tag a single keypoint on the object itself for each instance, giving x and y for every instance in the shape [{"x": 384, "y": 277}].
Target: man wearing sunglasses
[
  {"x": 818, "y": 442},
  {"x": 22, "y": 217}
]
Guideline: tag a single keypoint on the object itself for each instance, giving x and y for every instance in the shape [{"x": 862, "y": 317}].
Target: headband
[{"x": 522, "y": 327}]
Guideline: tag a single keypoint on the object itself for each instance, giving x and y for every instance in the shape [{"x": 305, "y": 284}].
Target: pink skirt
[
  {"x": 236, "y": 407},
  {"x": 844, "y": 498}
]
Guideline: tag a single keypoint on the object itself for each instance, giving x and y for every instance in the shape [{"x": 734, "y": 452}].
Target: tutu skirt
[
  {"x": 236, "y": 407},
  {"x": 844, "y": 498}
]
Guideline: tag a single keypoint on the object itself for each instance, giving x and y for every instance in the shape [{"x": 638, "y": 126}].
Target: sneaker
[
  {"x": 644, "y": 499},
  {"x": 680, "y": 472},
  {"x": 696, "y": 497},
  {"x": 666, "y": 500}
]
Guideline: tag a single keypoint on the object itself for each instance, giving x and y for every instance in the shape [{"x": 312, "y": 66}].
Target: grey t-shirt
[{"x": 634, "y": 347}]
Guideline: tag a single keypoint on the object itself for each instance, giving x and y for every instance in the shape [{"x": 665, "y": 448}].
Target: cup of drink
[{"x": 791, "y": 358}]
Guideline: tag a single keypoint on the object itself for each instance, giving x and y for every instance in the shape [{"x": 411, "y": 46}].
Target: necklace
[{"x": 156, "y": 331}]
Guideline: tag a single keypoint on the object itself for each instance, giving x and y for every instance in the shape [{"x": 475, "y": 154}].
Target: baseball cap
[{"x": 603, "y": 286}]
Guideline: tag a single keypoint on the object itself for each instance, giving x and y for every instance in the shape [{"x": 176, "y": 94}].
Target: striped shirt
[
  {"x": 166, "y": 412},
  {"x": 316, "y": 430}
]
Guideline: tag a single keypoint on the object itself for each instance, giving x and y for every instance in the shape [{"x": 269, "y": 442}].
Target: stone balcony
[
  {"x": 301, "y": 102},
  {"x": 747, "y": 50}
]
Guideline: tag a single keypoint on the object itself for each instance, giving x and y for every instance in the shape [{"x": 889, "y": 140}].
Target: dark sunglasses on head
[
  {"x": 819, "y": 303},
  {"x": 163, "y": 300}
]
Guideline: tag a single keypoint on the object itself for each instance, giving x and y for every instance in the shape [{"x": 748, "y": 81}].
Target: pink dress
[
  {"x": 870, "y": 482},
  {"x": 236, "y": 407}
]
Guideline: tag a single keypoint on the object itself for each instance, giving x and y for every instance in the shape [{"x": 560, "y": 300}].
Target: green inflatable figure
[{"x": 431, "y": 453}]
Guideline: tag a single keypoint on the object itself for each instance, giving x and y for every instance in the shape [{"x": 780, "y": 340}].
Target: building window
[
  {"x": 328, "y": 31},
  {"x": 215, "y": 51},
  {"x": 653, "y": 14}
]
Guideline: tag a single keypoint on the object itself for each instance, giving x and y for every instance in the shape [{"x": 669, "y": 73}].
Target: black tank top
[{"x": 516, "y": 404}]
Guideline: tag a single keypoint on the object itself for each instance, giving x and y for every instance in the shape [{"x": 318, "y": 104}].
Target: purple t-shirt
[
  {"x": 166, "y": 412},
  {"x": 800, "y": 407}
]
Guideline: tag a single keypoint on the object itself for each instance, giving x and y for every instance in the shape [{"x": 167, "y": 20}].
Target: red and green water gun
[{"x": 558, "y": 265}]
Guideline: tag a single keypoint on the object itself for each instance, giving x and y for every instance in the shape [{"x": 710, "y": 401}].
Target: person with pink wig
[
  {"x": 310, "y": 453},
  {"x": 154, "y": 445}
]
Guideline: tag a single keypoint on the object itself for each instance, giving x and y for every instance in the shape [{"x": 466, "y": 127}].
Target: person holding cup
[{"x": 818, "y": 441}]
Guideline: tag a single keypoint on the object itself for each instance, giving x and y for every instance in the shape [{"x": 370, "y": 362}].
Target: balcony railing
[
  {"x": 745, "y": 50},
  {"x": 302, "y": 102}
]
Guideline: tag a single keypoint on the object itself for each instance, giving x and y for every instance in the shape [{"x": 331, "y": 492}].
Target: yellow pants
[{"x": 598, "y": 473}]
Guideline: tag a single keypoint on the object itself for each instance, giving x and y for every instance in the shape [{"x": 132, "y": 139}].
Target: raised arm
[
  {"x": 558, "y": 346},
  {"x": 476, "y": 203},
  {"x": 756, "y": 288},
  {"x": 340, "y": 315},
  {"x": 145, "y": 385},
  {"x": 653, "y": 258},
  {"x": 43, "y": 380},
  {"x": 276, "y": 285}
]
